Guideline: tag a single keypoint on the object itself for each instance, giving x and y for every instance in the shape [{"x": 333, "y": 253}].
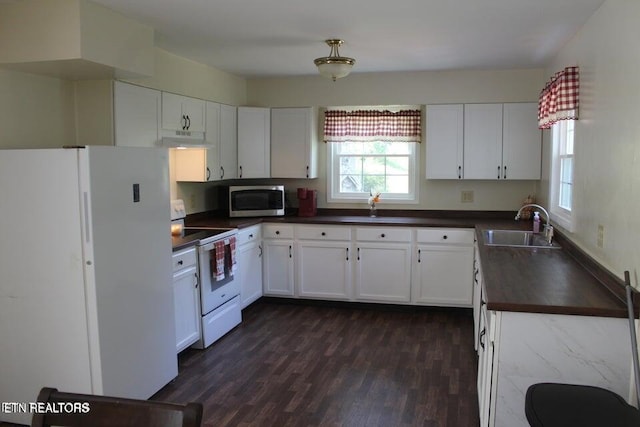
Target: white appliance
[
  {"x": 219, "y": 290},
  {"x": 86, "y": 303}
]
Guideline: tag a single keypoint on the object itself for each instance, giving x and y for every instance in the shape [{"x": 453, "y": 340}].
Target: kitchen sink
[{"x": 516, "y": 239}]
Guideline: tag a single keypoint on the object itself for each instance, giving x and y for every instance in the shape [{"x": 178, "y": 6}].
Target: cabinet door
[
  {"x": 444, "y": 275},
  {"x": 277, "y": 267},
  {"x": 383, "y": 272},
  {"x": 212, "y": 138},
  {"x": 521, "y": 142},
  {"x": 228, "y": 161},
  {"x": 186, "y": 303},
  {"x": 192, "y": 165},
  {"x": 136, "y": 115},
  {"x": 172, "y": 115},
  {"x": 444, "y": 153},
  {"x": 293, "y": 143},
  {"x": 194, "y": 109},
  {"x": 483, "y": 141},
  {"x": 324, "y": 269},
  {"x": 250, "y": 272},
  {"x": 254, "y": 136}
]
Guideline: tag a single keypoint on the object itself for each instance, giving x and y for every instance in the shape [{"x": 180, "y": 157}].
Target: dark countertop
[{"x": 514, "y": 279}]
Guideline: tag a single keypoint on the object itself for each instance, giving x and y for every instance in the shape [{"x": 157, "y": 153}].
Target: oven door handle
[{"x": 206, "y": 248}]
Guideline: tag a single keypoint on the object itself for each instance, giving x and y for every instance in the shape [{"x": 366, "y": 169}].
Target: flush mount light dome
[{"x": 334, "y": 66}]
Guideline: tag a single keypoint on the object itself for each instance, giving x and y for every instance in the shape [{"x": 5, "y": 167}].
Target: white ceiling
[{"x": 255, "y": 38}]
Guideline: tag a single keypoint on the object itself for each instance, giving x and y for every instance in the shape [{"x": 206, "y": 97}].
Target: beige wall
[
  {"x": 35, "y": 111},
  {"x": 435, "y": 87},
  {"x": 607, "y": 136}
]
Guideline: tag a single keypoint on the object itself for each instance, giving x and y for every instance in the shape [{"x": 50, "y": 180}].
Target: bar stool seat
[{"x": 563, "y": 405}]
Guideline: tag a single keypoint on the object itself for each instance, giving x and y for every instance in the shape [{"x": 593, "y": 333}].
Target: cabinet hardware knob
[
  {"x": 260, "y": 253},
  {"x": 498, "y": 172},
  {"x": 347, "y": 254},
  {"x": 240, "y": 171},
  {"x": 505, "y": 172},
  {"x": 277, "y": 231},
  {"x": 180, "y": 262},
  {"x": 445, "y": 237},
  {"x": 459, "y": 172},
  {"x": 221, "y": 172},
  {"x": 358, "y": 257},
  {"x": 208, "y": 174},
  {"x": 382, "y": 235},
  {"x": 419, "y": 252},
  {"x": 482, "y": 334},
  {"x": 289, "y": 251},
  {"x": 251, "y": 236},
  {"x": 188, "y": 122},
  {"x": 323, "y": 233},
  {"x": 184, "y": 122},
  {"x": 307, "y": 171}
]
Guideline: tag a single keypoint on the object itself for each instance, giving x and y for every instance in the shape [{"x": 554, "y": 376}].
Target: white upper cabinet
[
  {"x": 217, "y": 160},
  {"x": 182, "y": 113},
  {"x": 521, "y": 141},
  {"x": 136, "y": 115},
  {"x": 483, "y": 141},
  {"x": 228, "y": 153},
  {"x": 444, "y": 140},
  {"x": 254, "y": 142},
  {"x": 294, "y": 143}
]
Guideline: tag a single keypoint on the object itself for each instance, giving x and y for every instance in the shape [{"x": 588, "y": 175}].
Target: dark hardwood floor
[{"x": 310, "y": 365}]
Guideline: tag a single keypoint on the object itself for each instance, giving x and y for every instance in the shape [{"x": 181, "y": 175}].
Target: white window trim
[
  {"x": 562, "y": 217},
  {"x": 411, "y": 198}
]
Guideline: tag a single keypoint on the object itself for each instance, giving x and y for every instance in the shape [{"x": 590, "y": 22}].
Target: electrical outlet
[
  {"x": 466, "y": 196},
  {"x": 192, "y": 201},
  {"x": 600, "y": 238}
]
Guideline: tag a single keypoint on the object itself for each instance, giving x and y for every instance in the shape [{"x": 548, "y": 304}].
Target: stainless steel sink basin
[{"x": 516, "y": 239}]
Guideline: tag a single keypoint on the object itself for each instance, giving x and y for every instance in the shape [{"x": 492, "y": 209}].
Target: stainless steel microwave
[{"x": 255, "y": 200}]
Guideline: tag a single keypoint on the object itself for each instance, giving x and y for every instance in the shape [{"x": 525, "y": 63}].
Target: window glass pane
[
  {"x": 397, "y": 184},
  {"x": 374, "y": 165},
  {"x": 397, "y": 165},
  {"x": 350, "y": 184},
  {"x": 566, "y": 169},
  {"x": 349, "y": 148},
  {"x": 565, "y": 196},
  {"x": 398, "y": 148},
  {"x": 374, "y": 184},
  {"x": 350, "y": 165},
  {"x": 569, "y": 135}
]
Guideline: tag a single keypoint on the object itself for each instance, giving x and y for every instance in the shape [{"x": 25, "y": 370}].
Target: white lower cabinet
[
  {"x": 250, "y": 264},
  {"x": 323, "y": 259},
  {"x": 521, "y": 349},
  {"x": 383, "y": 264},
  {"x": 443, "y": 267},
  {"x": 186, "y": 298},
  {"x": 277, "y": 262}
]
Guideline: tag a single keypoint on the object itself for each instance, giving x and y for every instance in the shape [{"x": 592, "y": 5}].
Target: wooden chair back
[{"x": 86, "y": 410}]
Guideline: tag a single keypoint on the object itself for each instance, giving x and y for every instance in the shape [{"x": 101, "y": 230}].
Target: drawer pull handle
[
  {"x": 180, "y": 262},
  {"x": 347, "y": 254},
  {"x": 419, "y": 252},
  {"x": 482, "y": 334}
]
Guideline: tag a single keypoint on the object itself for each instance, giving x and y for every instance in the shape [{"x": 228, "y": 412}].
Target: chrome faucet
[{"x": 548, "y": 229}]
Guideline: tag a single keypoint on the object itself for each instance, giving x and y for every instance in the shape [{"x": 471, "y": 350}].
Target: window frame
[
  {"x": 559, "y": 133},
  {"x": 333, "y": 179}
]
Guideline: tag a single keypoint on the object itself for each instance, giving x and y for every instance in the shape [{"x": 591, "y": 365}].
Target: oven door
[{"x": 214, "y": 290}]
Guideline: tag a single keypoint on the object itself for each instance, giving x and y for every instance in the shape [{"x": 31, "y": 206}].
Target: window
[
  {"x": 357, "y": 169},
  {"x": 372, "y": 150},
  {"x": 562, "y": 167}
]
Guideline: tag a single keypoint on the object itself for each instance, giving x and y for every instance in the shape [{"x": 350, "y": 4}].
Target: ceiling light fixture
[{"x": 334, "y": 66}]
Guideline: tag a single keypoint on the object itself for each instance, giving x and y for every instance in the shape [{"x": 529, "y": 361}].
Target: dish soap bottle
[{"x": 536, "y": 222}]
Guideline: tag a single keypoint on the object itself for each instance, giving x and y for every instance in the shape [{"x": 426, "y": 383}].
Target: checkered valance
[
  {"x": 559, "y": 99},
  {"x": 372, "y": 125}
]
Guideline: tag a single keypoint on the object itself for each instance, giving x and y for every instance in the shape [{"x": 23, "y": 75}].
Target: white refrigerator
[{"x": 86, "y": 303}]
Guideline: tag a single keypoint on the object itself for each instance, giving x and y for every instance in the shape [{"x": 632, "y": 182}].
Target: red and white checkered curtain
[
  {"x": 372, "y": 125},
  {"x": 559, "y": 99}
]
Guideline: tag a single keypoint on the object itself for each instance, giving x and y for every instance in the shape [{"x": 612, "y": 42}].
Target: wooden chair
[{"x": 105, "y": 411}]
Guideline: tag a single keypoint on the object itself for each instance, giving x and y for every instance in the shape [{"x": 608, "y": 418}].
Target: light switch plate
[{"x": 466, "y": 196}]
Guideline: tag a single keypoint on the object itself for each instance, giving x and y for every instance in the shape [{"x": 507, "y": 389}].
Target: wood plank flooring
[{"x": 310, "y": 365}]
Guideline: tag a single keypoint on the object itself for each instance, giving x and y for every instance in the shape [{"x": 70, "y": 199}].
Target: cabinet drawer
[
  {"x": 382, "y": 234},
  {"x": 308, "y": 232},
  {"x": 248, "y": 235},
  {"x": 277, "y": 231},
  {"x": 445, "y": 235},
  {"x": 184, "y": 258}
]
